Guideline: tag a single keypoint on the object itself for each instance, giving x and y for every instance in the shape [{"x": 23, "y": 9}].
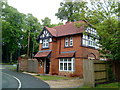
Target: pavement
[{"x": 69, "y": 83}]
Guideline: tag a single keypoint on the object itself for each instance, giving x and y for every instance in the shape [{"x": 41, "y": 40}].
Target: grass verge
[
  {"x": 108, "y": 85},
  {"x": 47, "y": 77}
]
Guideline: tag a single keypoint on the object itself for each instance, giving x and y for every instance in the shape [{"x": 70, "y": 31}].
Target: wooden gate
[
  {"x": 94, "y": 72},
  {"x": 116, "y": 69}
]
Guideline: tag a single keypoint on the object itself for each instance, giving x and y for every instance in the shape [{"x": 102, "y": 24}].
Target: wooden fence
[{"x": 94, "y": 72}]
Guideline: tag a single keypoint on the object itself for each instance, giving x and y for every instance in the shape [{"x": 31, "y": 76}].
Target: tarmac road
[{"x": 13, "y": 79}]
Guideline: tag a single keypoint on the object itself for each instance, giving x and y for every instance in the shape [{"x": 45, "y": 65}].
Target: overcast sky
[{"x": 39, "y": 8}]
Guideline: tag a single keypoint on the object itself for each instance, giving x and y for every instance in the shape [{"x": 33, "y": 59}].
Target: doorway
[{"x": 47, "y": 66}]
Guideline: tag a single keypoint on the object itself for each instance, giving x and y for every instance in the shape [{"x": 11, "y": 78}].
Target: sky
[{"x": 38, "y": 8}]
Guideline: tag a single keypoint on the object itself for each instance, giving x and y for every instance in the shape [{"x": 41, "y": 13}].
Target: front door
[{"x": 47, "y": 66}]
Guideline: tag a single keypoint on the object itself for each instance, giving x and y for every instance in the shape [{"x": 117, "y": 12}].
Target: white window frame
[
  {"x": 85, "y": 40},
  {"x": 45, "y": 43},
  {"x": 71, "y": 41},
  {"x": 88, "y": 41},
  {"x": 62, "y": 61},
  {"x": 66, "y": 42}
]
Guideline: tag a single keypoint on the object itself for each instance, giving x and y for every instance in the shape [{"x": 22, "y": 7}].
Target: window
[
  {"x": 45, "y": 43},
  {"x": 85, "y": 40},
  {"x": 66, "y": 42},
  {"x": 89, "y": 41},
  {"x": 71, "y": 41},
  {"x": 91, "y": 31},
  {"x": 66, "y": 64}
]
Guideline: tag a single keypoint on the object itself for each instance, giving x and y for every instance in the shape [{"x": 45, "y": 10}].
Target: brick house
[{"x": 63, "y": 48}]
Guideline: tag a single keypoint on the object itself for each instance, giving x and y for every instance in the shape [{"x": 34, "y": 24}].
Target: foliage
[
  {"x": 15, "y": 28},
  {"x": 47, "y": 22},
  {"x": 70, "y": 9},
  {"x": 12, "y": 23},
  {"x": 79, "y": 24},
  {"x": 31, "y": 31},
  {"x": 105, "y": 19},
  {"x": 19, "y": 33}
]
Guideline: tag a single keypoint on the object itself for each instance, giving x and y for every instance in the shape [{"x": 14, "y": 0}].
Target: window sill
[
  {"x": 45, "y": 48},
  {"x": 69, "y": 47},
  {"x": 89, "y": 47},
  {"x": 65, "y": 71}
]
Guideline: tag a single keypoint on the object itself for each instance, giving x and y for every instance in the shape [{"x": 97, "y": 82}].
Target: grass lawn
[
  {"x": 47, "y": 77},
  {"x": 108, "y": 85},
  {"x": 11, "y": 67}
]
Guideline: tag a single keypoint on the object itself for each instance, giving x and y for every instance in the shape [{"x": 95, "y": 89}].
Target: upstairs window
[
  {"x": 88, "y": 41},
  {"x": 71, "y": 41},
  {"x": 45, "y": 43},
  {"x": 66, "y": 42},
  {"x": 91, "y": 31}
]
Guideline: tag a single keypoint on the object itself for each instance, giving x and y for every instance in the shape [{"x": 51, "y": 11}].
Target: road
[{"x": 13, "y": 79}]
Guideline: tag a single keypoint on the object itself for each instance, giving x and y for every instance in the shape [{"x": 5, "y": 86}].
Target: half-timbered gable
[
  {"x": 90, "y": 38},
  {"x": 45, "y": 38}
]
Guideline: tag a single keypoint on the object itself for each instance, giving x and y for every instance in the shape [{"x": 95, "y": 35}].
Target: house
[{"x": 63, "y": 48}]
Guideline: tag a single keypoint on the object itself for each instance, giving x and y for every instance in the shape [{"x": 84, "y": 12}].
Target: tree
[
  {"x": 18, "y": 30},
  {"x": 33, "y": 28},
  {"x": 46, "y": 21},
  {"x": 104, "y": 17},
  {"x": 69, "y": 10},
  {"x": 12, "y": 23}
]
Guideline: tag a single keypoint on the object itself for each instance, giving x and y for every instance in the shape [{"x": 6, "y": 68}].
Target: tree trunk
[
  {"x": 28, "y": 50},
  {"x": 10, "y": 57}
]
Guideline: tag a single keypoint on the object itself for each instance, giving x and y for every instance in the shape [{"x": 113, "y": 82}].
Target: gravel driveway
[{"x": 65, "y": 83}]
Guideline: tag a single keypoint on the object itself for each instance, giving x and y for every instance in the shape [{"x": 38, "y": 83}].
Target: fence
[
  {"x": 94, "y": 72},
  {"x": 116, "y": 69}
]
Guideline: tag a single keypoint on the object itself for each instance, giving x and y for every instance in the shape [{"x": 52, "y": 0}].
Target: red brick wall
[
  {"x": 41, "y": 68},
  {"x": 23, "y": 64}
]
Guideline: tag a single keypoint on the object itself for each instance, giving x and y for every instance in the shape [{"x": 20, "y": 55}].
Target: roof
[
  {"x": 67, "y": 29},
  {"x": 44, "y": 53}
]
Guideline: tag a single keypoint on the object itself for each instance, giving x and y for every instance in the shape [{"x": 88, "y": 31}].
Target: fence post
[{"x": 88, "y": 73}]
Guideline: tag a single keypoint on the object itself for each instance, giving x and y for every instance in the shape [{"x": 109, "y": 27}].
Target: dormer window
[
  {"x": 66, "y": 42},
  {"x": 71, "y": 41},
  {"x": 45, "y": 43}
]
